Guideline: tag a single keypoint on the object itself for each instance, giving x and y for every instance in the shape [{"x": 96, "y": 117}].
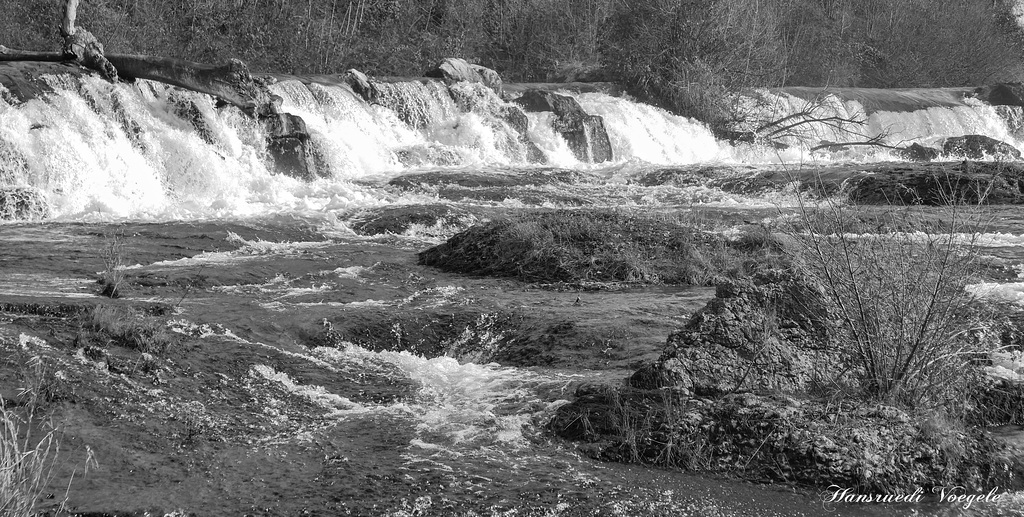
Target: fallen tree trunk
[{"x": 231, "y": 82}]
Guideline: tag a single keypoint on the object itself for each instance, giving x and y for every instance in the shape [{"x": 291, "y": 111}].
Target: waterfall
[{"x": 97, "y": 151}]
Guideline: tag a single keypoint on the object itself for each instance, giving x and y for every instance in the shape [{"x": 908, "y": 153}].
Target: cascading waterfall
[
  {"x": 99, "y": 151},
  {"x": 926, "y": 125}
]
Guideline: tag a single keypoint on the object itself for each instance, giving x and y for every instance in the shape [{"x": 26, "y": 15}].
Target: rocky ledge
[{"x": 754, "y": 385}]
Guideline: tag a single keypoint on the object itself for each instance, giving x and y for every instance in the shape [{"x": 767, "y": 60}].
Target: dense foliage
[{"x": 682, "y": 53}]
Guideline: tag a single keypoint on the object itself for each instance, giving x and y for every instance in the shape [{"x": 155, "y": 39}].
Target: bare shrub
[
  {"x": 905, "y": 320},
  {"x": 113, "y": 273}
]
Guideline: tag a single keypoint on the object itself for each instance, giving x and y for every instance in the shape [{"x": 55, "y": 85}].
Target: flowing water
[{"x": 262, "y": 265}]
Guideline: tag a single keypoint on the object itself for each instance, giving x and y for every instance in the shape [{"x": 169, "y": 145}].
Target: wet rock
[
  {"x": 398, "y": 220},
  {"x": 517, "y": 120},
  {"x": 185, "y": 108},
  {"x": 584, "y": 133},
  {"x": 919, "y": 153},
  {"x": 978, "y": 147},
  {"x": 290, "y": 147},
  {"x": 360, "y": 84},
  {"x": 455, "y": 69},
  {"x": 25, "y": 80},
  {"x": 22, "y": 204},
  {"x": 940, "y": 184},
  {"x": 428, "y": 155},
  {"x": 486, "y": 179},
  {"x": 1002, "y": 94},
  {"x": 765, "y": 333},
  {"x": 481, "y": 100}
]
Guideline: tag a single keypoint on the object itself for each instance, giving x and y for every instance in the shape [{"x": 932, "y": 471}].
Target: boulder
[
  {"x": 290, "y": 147},
  {"x": 360, "y": 84},
  {"x": 23, "y": 203},
  {"x": 980, "y": 146},
  {"x": 767, "y": 333},
  {"x": 584, "y": 133},
  {"x": 455, "y": 69},
  {"x": 1002, "y": 94}
]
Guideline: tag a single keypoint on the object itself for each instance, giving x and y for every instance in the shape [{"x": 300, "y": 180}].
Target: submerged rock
[
  {"x": 437, "y": 219},
  {"x": 428, "y": 155},
  {"x": 977, "y": 147},
  {"x": 585, "y": 133},
  {"x": 23, "y": 203}
]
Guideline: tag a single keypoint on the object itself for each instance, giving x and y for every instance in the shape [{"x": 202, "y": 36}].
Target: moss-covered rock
[
  {"x": 587, "y": 245},
  {"x": 769, "y": 332}
]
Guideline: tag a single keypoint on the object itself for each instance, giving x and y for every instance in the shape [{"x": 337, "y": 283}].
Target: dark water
[{"x": 319, "y": 426}]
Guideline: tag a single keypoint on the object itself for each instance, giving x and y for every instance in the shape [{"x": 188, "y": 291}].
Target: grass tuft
[{"x": 130, "y": 329}]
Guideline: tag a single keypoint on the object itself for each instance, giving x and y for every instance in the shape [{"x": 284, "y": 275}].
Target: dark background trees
[{"x": 683, "y": 54}]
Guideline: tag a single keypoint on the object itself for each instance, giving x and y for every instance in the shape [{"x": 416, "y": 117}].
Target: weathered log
[{"x": 10, "y": 54}]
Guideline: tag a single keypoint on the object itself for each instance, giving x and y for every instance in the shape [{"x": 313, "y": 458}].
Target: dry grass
[
  {"x": 127, "y": 328},
  {"x": 26, "y": 465}
]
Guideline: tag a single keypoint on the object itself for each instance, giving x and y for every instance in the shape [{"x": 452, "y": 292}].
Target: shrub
[
  {"x": 905, "y": 320},
  {"x": 113, "y": 273}
]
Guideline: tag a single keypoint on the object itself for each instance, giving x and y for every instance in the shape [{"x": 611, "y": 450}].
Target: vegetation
[
  {"x": 26, "y": 465},
  {"x": 128, "y": 328},
  {"x": 113, "y": 273},
  {"x": 906, "y": 321}
]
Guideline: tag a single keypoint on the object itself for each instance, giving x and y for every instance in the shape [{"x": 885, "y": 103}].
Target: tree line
[{"x": 682, "y": 54}]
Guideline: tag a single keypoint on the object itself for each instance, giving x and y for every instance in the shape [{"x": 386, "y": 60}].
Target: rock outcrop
[{"x": 584, "y": 133}]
